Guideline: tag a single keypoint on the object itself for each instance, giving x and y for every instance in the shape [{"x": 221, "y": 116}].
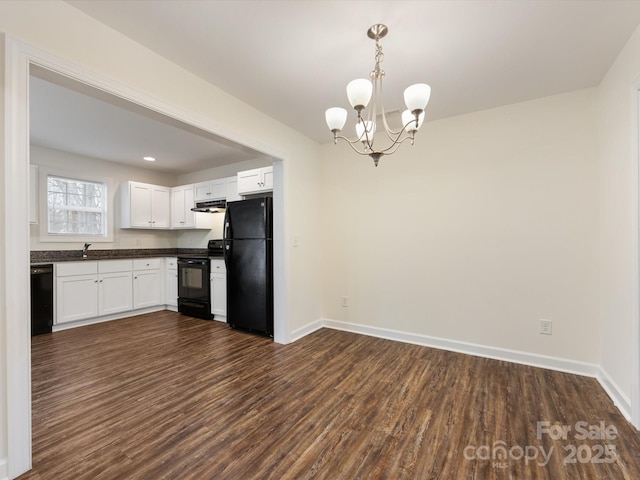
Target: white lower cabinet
[
  {"x": 171, "y": 282},
  {"x": 92, "y": 289},
  {"x": 147, "y": 291},
  {"x": 148, "y": 284},
  {"x": 76, "y": 298},
  {"x": 218, "y": 290},
  {"x": 114, "y": 293}
]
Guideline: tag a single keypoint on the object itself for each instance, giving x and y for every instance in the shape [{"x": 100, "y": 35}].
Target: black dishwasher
[{"x": 41, "y": 299}]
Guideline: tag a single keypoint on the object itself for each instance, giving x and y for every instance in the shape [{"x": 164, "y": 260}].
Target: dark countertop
[
  {"x": 56, "y": 256},
  {"x": 200, "y": 255}
]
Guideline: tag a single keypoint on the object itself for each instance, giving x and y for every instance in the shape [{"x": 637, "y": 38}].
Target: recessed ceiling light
[{"x": 149, "y": 159}]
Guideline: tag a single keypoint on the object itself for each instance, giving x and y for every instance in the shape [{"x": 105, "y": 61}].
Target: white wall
[
  {"x": 618, "y": 179},
  {"x": 118, "y": 173},
  {"x": 58, "y": 28},
  {"x": 482, "y": 228},
  {"x": 222, "y": 172},
  {"x": 3, "y": 314}
]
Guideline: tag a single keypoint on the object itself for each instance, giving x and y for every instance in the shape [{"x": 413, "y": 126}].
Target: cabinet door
[
  {"x": 177, "y": 208},
  {"x": 171, "y": 287},
  {"x": 140, "y": 205},
  {"x": 76, "y": 298},
  {"x": 189, "y": 203},
  {"x": 219, "y": 295},
  {"x": 212, "y": 190},
  {"x": 232, "y": 189},
  {"x": 267, "y": 178},
  {"x": 248, "y": 181},
  {"x": 171, "y": 281},
  {"x": 255, "y": 181},
  {"x": 115, "y": 293},
  {"x": 161, "y": 207},
  {"x": 147, "y": 288}
]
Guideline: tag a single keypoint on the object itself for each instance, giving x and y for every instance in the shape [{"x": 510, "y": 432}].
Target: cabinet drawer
[
  {"x": 112, "y": 266},
  {"x": 147, "y": 263},
  {"x": 171, "y": 263},
  {"x": 76, "y": 268},
  {"x": 218, "y": 266}
]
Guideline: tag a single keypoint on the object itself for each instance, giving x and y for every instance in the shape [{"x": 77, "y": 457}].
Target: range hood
[{"x": 210, "y": 206}]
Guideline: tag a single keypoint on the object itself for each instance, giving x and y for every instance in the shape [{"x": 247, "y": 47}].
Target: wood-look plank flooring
[{"x": 164, "y": 396}]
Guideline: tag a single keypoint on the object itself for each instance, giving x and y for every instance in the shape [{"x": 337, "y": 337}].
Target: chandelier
[{"x": 361, "y": 91}]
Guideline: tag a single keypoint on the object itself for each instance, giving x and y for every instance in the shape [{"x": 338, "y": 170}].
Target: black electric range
[{"x": 194, "y": 289}]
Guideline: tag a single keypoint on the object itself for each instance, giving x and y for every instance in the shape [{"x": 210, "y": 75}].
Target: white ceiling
[
  {"x": 293, "y": 59},
  {"x": 70, "y": 116}
]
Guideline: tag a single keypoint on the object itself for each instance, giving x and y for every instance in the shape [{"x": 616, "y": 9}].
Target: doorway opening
[{"x": 20, "y": 61}]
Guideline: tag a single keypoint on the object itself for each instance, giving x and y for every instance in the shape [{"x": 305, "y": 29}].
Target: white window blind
[{"x": 76, "y": 207}]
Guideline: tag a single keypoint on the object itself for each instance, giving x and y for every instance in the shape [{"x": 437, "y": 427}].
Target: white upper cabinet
[
  {"x": 232, "y": 189},
  {"x": 211, "y": 190},
  {"x": 145, "y": 206},
  {"x": 182, "y": 201},
  {"x": 181, "y": 205},
  {"x": 257, "y": 180}
]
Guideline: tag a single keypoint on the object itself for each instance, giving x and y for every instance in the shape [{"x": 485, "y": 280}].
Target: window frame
[{"x": 43, "y": 174}]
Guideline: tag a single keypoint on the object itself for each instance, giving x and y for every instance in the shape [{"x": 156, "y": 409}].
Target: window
[{"x": 76, "y": 208}]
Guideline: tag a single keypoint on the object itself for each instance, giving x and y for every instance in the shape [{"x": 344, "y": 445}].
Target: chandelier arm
[
  {"x": 397, "y": 140},
  {"x": 351, "y": 143},
  {"x": 396, "y": 145}
]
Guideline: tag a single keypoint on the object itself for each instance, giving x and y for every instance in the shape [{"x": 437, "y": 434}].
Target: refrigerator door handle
[
  {"x": 227, "y": 225},
  {"x": 227, "y": 252}
]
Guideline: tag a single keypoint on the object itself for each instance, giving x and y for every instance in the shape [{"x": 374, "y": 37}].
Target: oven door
[{"x": 193, "y": 279}]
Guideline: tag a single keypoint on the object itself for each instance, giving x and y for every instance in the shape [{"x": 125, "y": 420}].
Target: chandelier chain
[{"x": 377, "y": 71}]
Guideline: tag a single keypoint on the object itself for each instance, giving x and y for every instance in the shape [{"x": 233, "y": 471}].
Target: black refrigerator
[{"x": 248, "y": 254}]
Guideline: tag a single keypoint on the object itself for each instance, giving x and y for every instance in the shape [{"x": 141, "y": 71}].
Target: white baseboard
[
  {"x": 107, "y": 318},
  {"x": 306, "y": 330},
  {"x": 514, "y": 356},
  {"x": 620, "y": 400}
]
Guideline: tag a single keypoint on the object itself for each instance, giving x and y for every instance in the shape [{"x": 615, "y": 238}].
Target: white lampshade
[
  {"x": 359, "y": 92},
  {"x": 417, "y": 96},
  {"x": 371, "y": 130},
  {"x": 407, "y": 117},
  {"x": 336, "y": 118}
]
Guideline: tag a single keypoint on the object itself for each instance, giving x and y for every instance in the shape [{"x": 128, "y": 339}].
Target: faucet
[{"x": 84, "y": 250}]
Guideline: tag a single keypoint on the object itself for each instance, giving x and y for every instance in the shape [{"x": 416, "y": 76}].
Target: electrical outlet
[
  {"x": 345, "y": 302},
  {"x": 138, "y": 242},
  {"x": 545, "y": 327}
]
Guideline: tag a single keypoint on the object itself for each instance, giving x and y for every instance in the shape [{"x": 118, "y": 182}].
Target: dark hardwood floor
[{"x": 164, "y": 396}]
